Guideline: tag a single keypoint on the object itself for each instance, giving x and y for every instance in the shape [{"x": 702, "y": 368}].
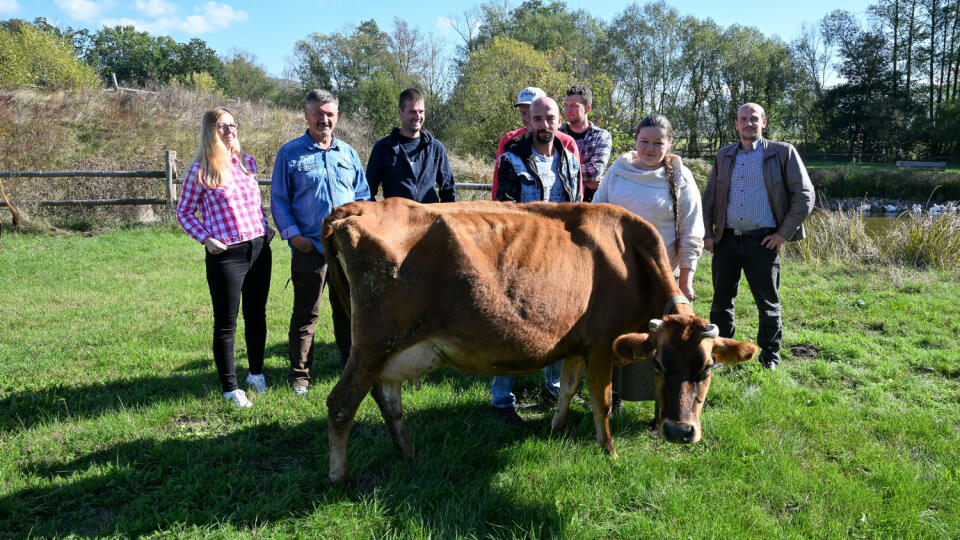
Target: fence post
[
  {"x": 170, "y": 169},
  {"x": 113, "y": 78}
]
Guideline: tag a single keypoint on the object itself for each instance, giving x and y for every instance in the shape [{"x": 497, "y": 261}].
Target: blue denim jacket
[{"x": 308, "y": 181}]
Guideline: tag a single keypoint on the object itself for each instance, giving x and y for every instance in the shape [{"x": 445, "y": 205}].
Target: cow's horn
[
  {"x": 711, "y": 332},
  {"x": 655, "y": 324}
]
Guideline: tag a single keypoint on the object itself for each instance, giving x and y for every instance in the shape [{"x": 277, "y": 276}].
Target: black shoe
[
  {"x": 769, "y": 364},
  {"x": 509, "y": 416}
]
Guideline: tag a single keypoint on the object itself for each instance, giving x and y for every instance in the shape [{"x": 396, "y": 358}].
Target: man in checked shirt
[
  {"x": 756, "y": 199},
  {"x": 594, "y": 143}
]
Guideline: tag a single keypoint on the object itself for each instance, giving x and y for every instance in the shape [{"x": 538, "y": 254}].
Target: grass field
[{"x": 111, "y": 421}]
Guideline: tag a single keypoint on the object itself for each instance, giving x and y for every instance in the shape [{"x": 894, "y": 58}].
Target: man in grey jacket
[{"x": 756, "y": 199}]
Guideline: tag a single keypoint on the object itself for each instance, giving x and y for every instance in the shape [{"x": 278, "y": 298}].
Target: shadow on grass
[
  {"x": 27, "y": 408},
  {"x": 276, "y": 474}
]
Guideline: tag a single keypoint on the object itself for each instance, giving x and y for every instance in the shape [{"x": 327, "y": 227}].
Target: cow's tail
[{"x": 336, "y": 277}]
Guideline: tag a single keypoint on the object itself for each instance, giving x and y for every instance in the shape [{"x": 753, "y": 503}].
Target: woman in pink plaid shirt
[{"x": 222, "y": 185}]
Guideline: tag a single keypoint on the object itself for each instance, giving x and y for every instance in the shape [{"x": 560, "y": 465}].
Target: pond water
[{"x": 878, "y": 223}]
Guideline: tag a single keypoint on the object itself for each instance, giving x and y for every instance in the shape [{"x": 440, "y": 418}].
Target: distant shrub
[
  {"x": 201, "y": 81},
  {"x": 32, "y": 57}
]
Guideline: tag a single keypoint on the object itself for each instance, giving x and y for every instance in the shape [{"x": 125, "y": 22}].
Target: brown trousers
[{"x": 308, "y": 273}]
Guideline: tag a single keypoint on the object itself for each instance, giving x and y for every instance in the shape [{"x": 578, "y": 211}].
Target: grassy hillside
[{"x": 105, "y": 131}]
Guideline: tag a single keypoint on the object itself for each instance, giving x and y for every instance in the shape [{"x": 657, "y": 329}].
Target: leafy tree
[
  {"x": 485, "y": 94},
  {"x": 31, "y": 56},
  {"x": 244, "y": 78},
  {"x": 139, "y": 58}
]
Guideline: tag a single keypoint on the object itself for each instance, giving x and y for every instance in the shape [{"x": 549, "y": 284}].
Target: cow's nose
[{"x": 678, "y": 432}]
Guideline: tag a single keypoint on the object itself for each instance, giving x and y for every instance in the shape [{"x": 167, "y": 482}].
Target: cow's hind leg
[
  {"x": 342, "y": 403},
  {"x": 569, "y": 382},
  {"x": 599, "y": 373},
  {"x": 387, "y": 396}
]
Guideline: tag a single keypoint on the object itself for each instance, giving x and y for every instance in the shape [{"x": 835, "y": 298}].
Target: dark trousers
[
  {"x": 761, "y": 266},
  {"x": 308, "y": 273},
  {"x": 242, "y": 271}
]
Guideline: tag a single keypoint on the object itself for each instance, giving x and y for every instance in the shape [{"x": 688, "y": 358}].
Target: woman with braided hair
[{"x": 653, "y": 184}]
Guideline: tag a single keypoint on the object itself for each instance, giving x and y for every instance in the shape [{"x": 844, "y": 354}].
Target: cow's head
[{"x": 684, "y": 350}]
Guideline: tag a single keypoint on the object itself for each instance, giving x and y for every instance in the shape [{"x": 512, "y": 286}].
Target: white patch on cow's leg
[
  {"x": 388, "y": 398},
  {"x": 569, "y": 382}
]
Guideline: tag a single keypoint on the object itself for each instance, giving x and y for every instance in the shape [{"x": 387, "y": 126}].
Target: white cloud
[
  {"x": 214, "y": 16},
  {"x": 444, "y": 23},
  {"x": 8, "y": 7},
  {"x": 156, "y": 8},
  {"x": 208, "y": 18},
  {"x": 82, "y": 10}
]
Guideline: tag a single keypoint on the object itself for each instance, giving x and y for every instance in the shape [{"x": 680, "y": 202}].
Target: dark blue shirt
[{"x": 417, "y": 174}]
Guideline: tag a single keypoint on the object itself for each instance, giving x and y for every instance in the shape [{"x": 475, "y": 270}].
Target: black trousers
[
  {"x": 761, "y": 266},
  {"x": 242, "y": 271}
]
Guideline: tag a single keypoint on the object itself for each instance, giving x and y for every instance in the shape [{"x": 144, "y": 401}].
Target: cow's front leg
[
  {"x": 354, "y": 384},
  {"x": 387, "y": 396},
  {"x": 569, "y": 382},
  {"x": 599, "y": 374}
]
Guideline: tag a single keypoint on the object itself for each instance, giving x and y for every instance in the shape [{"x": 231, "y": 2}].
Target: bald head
[
  {"x": 753, "y": 107},
  {"x": 751, "y": 119},
  {"x": 544, "y": 121}
]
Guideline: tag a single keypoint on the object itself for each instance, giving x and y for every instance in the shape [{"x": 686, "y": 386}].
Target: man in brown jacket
[{"x": 756, "y": 199}]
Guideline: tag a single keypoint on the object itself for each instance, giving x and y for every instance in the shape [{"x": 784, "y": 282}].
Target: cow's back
[{"x": 493, "y": 287}]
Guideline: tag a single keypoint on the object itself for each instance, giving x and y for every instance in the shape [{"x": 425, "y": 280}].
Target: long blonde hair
[{"x": 213, "y": 156}]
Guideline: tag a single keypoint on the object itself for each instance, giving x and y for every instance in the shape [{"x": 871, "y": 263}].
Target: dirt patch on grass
[{"x": 804, "y": 351}]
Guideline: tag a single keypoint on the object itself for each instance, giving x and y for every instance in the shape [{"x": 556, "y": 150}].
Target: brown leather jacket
[{"x": 790, "y": 192}]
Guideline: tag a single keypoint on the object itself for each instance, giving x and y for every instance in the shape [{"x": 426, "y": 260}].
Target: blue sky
[{"x": 269, "y": 29}]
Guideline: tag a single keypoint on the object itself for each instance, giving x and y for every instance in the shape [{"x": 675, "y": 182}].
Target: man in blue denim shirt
[{"x": 311, "y": 175}]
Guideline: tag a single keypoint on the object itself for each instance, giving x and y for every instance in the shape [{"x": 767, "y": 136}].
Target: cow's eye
[{"x": 709, "y": 369}]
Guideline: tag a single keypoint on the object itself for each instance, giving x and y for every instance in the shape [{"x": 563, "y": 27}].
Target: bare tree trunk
[
  {"x": 911, "y": 30},
  {"x": 933, "y": 49},
  {"x": 896, "y": 33}
]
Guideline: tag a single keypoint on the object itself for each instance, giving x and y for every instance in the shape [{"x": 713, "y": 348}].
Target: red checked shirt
[{"x": 231, "y": 213}]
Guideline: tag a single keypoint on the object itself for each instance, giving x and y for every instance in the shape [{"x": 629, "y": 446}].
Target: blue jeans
[{"x": 502, "y": 386}]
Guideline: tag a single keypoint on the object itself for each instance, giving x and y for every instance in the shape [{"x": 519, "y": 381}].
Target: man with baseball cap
[{"x": 527, "y": 96}]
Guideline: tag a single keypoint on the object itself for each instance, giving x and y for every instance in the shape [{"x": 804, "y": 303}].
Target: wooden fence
[{"x": 168, "y": 174}]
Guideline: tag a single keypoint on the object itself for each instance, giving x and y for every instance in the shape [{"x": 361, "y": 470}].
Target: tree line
[{"x": 879, "y": 88}]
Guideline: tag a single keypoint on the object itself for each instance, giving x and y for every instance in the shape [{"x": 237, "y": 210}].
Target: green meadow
[{"x": 112, "y": 424}]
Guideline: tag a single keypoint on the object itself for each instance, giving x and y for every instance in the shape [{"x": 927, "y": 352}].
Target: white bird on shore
[
  {"x": 916, "y": 208},
  {"x": 865, "y": 207},
  {"x": 936, "y": 209},
  {"x": 890, "y": 208}
]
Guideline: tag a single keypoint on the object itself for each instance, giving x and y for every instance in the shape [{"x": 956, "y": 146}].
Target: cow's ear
[
  {"x": 731, "y": 351},
  {"x": 634, "y": 347}
]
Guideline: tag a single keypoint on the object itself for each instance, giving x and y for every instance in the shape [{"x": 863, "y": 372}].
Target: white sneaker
[
  {"x": 257, "y": 383},
  {"x": 300, "y": 390},
  {"x": 239, "y": 398}
]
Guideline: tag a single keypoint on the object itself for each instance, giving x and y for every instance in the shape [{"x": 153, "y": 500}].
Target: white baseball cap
[{"x": 528, "y": 95}]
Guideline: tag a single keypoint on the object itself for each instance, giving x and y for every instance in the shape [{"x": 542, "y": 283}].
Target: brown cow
[{"x": 501, "y": 288}]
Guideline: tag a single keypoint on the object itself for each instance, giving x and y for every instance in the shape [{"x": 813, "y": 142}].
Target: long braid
[{"x": 675, "y": 196}]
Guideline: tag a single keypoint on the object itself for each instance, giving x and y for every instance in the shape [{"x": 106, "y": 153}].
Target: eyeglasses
[{"x": 224, "y": 128}]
